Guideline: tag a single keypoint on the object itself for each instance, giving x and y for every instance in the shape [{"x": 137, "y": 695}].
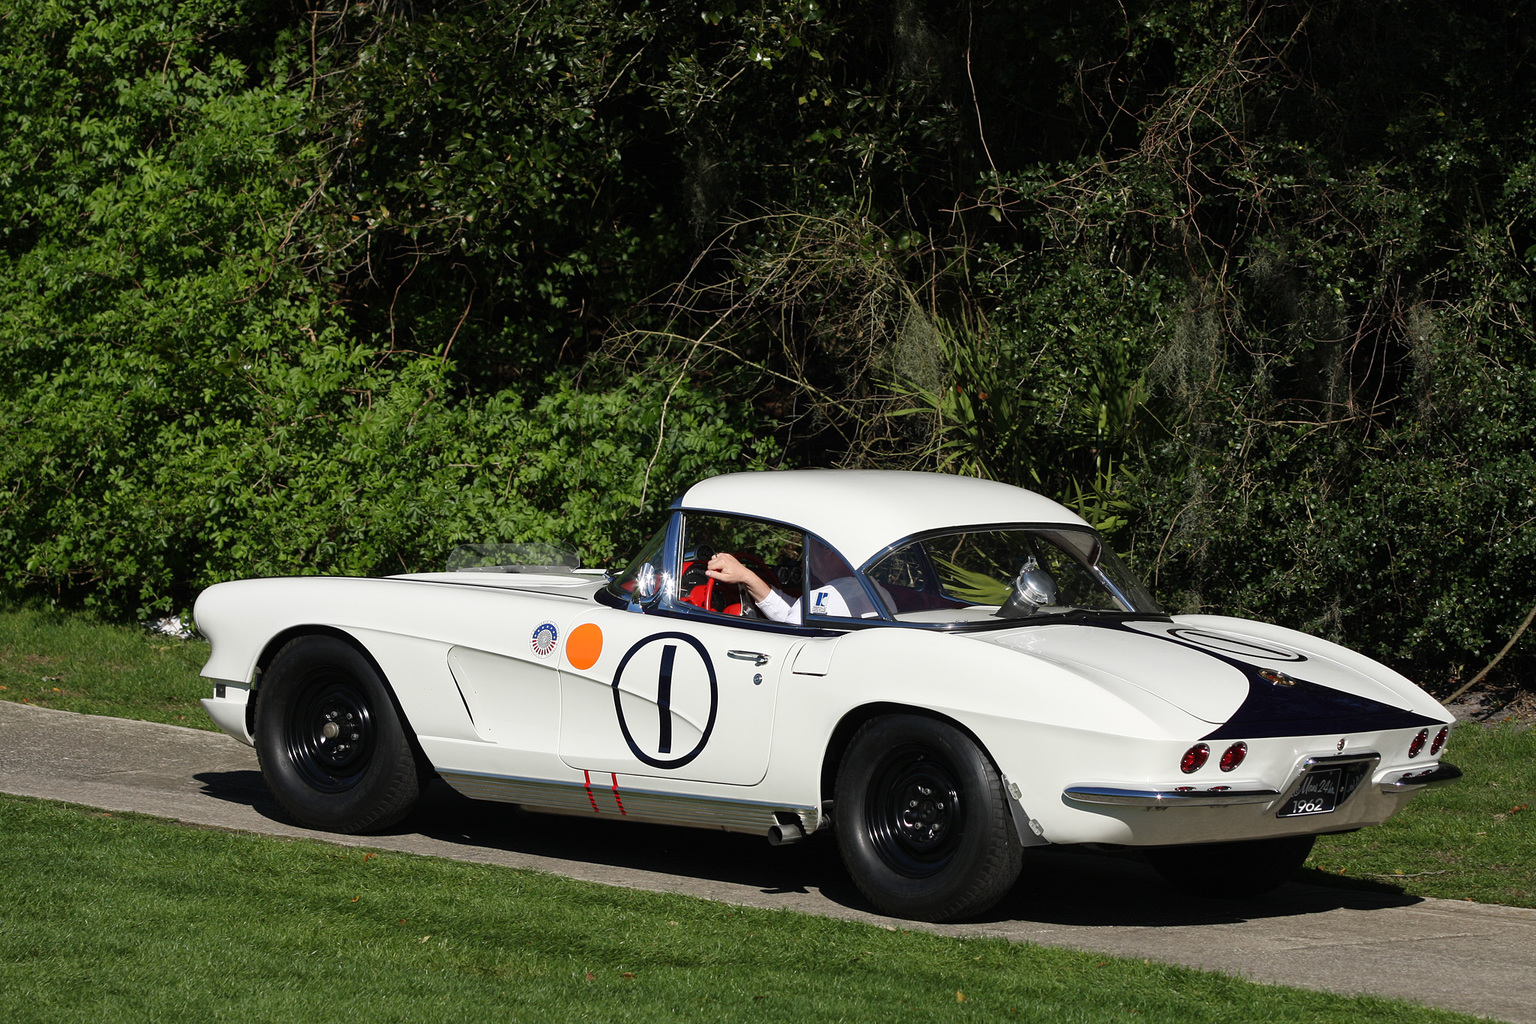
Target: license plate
[{"x": 1319, "y": 794}]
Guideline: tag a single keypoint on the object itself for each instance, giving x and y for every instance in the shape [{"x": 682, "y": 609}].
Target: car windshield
[{"x": 1008, "y": 574}]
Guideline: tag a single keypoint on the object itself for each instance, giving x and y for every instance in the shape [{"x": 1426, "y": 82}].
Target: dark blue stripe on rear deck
[{"x": 1303, "y": 709}]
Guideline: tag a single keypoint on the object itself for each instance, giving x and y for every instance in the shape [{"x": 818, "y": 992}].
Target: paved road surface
[{"x": 1460, "y": 956}]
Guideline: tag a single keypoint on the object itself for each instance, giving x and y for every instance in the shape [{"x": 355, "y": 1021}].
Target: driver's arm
[{"x": 727, "y": 568}]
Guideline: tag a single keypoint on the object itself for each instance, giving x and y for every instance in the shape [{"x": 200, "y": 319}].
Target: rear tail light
[
  {"x": 1233, "y": 756},
  {"x": 1417, "y": 746},
  {"x": 1440, "y": 738},
  {"x": 1194, "y": 758}
]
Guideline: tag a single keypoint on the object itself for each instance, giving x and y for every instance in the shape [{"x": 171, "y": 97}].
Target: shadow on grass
[{"x": 1059, "y": 885}]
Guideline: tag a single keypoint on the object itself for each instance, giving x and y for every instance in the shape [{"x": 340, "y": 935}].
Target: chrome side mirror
[
  {"x": 1032, "y": 590},
  {"x": 647, "y": 582}
]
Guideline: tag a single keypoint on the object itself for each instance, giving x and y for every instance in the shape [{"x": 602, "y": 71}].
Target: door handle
[{"x": 753, "y": 656}]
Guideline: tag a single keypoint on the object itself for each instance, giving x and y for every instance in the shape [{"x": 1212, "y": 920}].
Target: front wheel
[
  {"x": 1232, "y": 870},
  {"x": 922, "y": 822},
  {"x": 331, "y": 746}
]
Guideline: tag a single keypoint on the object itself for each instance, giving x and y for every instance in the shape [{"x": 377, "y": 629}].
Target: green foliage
[
  {"x": 1344, "y": 398},
  {"x": 335, "y": 466},
  {"x": 475, "y": 190},
  {"x": 137, "y": 276},
  {"x": 188, "y": 404},
  {"x": 1249, "y": 287}
]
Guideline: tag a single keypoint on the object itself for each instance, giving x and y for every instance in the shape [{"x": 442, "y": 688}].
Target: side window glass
[
  {"x": 832, "y": 590},
  {"x": 906, "y": 567},
  {"x": 909, "y": 581},
  {"x": 772, "y": 552}
]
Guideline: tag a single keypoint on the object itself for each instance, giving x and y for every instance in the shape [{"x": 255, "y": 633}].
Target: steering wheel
[{"x": 758, "y": 566}]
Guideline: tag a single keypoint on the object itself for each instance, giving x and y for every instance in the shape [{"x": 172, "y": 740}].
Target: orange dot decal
[{"x": 585, "y": 646}]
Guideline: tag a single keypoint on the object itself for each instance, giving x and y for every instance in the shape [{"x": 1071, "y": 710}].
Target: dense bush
[
  {"x": 1347, "y": 395},
  {"x": 1248, "y": 284},
  {"x": 187, "y": 399}
]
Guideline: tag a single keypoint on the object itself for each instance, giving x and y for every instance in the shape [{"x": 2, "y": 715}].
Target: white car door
[{"x": 671, "y": 697}]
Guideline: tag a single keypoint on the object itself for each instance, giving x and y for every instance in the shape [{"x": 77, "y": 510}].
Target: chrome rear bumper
[{"x": 1399, "y": 781}]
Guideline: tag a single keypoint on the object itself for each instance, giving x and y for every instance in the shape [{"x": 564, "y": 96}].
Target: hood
[{"x": 1242, "y": 683}]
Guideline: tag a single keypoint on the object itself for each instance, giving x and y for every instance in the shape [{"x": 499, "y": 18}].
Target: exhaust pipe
[{"x": 785, "y": 832}]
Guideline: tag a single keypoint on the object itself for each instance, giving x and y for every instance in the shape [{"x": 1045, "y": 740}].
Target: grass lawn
[
  {"x": 122, "y": 917},
  {"x": 1474, "y": 839},
  {"x": 73, "y": 663}
]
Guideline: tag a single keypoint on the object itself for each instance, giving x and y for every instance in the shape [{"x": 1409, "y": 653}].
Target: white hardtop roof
[{"x": 862, "y": 511}]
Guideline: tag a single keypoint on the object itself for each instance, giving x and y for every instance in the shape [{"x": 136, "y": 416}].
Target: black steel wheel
[
  {"x": 1232, "y": 870},
  {"x": 331, "y": 746},
  {"x": 922, "y": 821}
]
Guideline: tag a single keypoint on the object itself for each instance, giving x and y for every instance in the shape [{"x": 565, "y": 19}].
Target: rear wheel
[
  {"x": 331, "y": 747},
  {"x": 922, "y": 822},
  {"x": 1232, "y": 870}
]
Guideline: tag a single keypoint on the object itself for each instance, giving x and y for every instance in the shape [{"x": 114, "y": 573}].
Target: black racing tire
[
  {"x": 922, "y": 821},
  {"x": 1238, "y": 870},
  {"x": 331, "y": 745}
]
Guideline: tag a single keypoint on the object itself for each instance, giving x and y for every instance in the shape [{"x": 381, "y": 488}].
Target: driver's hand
[{"x": 727, "y": 568}]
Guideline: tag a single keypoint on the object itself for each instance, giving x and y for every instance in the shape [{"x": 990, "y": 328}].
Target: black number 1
[{"x": 664, "y": 699}]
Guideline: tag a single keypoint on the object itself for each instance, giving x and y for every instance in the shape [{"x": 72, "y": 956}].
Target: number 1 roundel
[{"x": 671, "y": 688}]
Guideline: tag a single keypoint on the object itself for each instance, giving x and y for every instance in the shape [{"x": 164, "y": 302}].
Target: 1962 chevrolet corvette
[{"x": 963, "y": 670}]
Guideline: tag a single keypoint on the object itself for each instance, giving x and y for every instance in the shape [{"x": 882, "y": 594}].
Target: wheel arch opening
[
  {"x": 850, "y": 723},
  {"x": 279, "y": 641}
]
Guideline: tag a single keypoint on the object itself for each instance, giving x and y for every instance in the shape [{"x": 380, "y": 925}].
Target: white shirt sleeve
[{"x": 776, "y": 607}]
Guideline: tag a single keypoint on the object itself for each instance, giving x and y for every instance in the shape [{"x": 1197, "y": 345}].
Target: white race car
[{"x": 962, "y": 670}]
